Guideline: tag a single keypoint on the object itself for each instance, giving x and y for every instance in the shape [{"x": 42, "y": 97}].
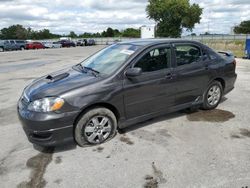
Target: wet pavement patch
[
  {"x": 215, "y": 115},
  {"x": 152, "y": 181},
  {"x": 163, "y": 132},
  {"x": 126, "y": 140},
  {"x": 58, "y": 181},
  {"x": 235, "y": 136},
  {"x": 242, "y": 134},
  {"x": 245, "y": 132},
  {"x": 100, "y": 149},
  {"x": 38, "y": 165},
  {"x": 58, "y": 160}
]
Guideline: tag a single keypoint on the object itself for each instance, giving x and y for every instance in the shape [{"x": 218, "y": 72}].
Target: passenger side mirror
[{"x": 133, "y": 72}]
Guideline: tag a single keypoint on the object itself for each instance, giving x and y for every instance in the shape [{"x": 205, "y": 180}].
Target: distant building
[{"x": 147, "y": 32}]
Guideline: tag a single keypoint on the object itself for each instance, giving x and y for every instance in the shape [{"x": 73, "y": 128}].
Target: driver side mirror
[{"x": 133, "y": 72}]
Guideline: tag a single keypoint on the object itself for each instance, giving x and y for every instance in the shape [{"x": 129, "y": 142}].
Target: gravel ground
[{"x": 202, "y": 149}]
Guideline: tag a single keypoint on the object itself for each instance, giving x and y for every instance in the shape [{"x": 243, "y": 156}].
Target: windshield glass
[{"x": 110, "y": 59}]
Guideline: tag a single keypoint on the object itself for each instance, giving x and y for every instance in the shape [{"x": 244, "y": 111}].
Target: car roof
[{"x": 149, "y": 42}]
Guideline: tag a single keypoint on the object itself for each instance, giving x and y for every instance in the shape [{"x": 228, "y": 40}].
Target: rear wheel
[
  {"x": 22, "y": 48},
  {"x": 212, "y": 96},
  {"x": 1, "y": 49},
  {"x": 95, "y": 127}
]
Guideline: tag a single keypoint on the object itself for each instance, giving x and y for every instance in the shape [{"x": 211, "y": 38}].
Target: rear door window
[{"x": 187, "y": 54}]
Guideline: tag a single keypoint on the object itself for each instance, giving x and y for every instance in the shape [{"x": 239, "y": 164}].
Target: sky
[{"x": 63, "y": 16}]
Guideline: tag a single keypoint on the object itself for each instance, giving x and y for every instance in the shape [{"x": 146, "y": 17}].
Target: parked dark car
[
  {"x": 122, "y": 85},
  {"x": 7, "y": 45},
  {"x": 67, "y": 43},
  {"x": 34, "y": 45}
]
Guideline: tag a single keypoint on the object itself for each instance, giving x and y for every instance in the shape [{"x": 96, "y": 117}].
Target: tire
[
  {"x": 212, "y": 96},
  {"x": 89, "y": 129},
  {"x": 1, "y": 49},
  {"x": 22, "y": 48}
]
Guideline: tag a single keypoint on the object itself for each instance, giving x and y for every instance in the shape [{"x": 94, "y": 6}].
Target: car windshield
[{"x": 110, "y": 59}]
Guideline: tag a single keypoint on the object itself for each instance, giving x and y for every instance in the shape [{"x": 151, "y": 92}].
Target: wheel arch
[
  {"x": 222, "y": 81},
  {"x": 109, "y": 106}
]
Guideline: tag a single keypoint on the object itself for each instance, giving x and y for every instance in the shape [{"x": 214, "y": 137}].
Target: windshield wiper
[
  {"x": 79, "y": 67},
  {"x": 94, "y": 72}
]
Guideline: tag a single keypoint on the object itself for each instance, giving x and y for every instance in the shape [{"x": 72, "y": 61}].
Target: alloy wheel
[
  {"x": 214, "y": 95},
  {"x": 97, "y": 129}
]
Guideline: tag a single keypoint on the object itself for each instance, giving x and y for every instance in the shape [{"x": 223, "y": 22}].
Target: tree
[
  {"x": 243, "y": 28},
  {"x": 172, "y": 16},
  {"x": 110, "y": 32},
  {"x": 131, "y": 32},
  {"x": 72, "y": 34},
  {"x": 14, "y": 32}
]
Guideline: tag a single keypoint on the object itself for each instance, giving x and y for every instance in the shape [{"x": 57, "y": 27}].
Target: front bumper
[{"x": 47, "y": 129}]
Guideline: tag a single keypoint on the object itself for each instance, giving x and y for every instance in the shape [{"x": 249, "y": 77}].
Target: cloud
[{"x": 63, "y": 16}]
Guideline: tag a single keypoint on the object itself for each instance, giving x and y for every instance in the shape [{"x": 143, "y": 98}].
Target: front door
[{"x": 152, "y": 91}]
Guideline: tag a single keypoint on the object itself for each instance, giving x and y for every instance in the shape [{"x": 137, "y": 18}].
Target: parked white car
[{"x": 52, "y": 44}]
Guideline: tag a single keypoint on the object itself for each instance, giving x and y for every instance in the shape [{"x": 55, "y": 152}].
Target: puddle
[
  {"x": 153, "y": 181},
  {"x": 38, "y": 165},
  {"x": 215, "y": 115},
  {"x": 126, "y": 140},
  {"x": 17, "y": 67}
]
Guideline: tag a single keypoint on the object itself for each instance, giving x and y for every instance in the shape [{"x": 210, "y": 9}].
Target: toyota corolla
[{"x": 121, "y": 85}]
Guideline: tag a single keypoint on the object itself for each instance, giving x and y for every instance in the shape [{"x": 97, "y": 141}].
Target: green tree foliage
[
  {"x": 19, "y": 32},
  {"x": 14, "y": 32},
  {"x": 72, "y": 34},
  {"x": 172, "y": 16},
  {"x": 131, "y": 32},
  {"x": 243, "y": 28}
]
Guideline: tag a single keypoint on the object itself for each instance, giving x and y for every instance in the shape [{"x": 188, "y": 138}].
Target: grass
[{"x": 235, "y": 46}]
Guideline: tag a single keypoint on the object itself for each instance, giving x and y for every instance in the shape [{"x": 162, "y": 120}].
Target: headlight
[{"x": 46, "y": 104}]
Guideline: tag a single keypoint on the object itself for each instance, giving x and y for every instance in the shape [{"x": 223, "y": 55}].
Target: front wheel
[
  {"x": 1, "y": 49},
  {"x": 95, "y": 127},
  {"x": 212, "y": 96}
]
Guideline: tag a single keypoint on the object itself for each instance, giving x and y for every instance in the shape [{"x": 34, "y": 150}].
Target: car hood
[{"x": 58, "y": 83}]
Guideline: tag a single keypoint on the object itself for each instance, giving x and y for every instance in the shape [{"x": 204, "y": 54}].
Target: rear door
[
  {"x": 191, "y": 72},
  {"x": 152, "y": 91}
]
